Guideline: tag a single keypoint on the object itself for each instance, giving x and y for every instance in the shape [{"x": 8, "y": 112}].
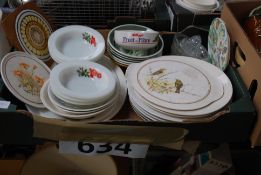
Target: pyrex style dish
[
  {"x": 76, "y": 42},
  {"x": 83, "y": 81}
]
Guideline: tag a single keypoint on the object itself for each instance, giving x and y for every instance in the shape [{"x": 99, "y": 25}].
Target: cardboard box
[
  {"x": 234, "y": 14},
  {"x": 181, "y": 18},
  {"x": 213, "y": 162}
]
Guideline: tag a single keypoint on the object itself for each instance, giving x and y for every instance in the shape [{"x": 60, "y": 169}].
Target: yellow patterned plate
[
  {"x": 33, "y": 31},
  {"x": 24, "y": 75}
]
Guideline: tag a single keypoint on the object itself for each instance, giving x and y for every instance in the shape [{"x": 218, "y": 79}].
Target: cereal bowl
[
  {"x": 76, "y": 42},
  {"x": 83, "y": 81}
]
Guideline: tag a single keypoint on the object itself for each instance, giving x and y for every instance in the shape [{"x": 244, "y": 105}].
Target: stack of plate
[
  {"x": 178, "y": 89},
  {"x": 126, "y": 57},
  {"x": 199, "y": 6},
  {"x": 84, "y": 90}
]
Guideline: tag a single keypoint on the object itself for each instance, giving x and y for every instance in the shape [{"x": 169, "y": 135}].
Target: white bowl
[
  {"x": 136, "y": 39},
  {"x": 76, "y": 42},
  {"x": 154, "y": 52},
  {"x": 72, "y": 81}
]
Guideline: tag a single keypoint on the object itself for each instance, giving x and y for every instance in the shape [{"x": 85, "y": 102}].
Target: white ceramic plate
[
  {"x": 175, "y": 84},
  {"x": 75, "y": 42},
  {"x": 219, "y": 44},
  {"x": 195, "y": 8},
  {"x": 211, "y": 108},
  {"x": 32, "y": 32},
  {"x": 111, "y": 112},
  {"x": 83, "y": 81},
  {"x": 24, "y": 75},
  {"x": 81, "y": 108},
  {"x": 203, "y": 3},
  {"x": 43, "y": 112}
]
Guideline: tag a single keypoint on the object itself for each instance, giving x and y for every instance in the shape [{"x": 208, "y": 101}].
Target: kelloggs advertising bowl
[{"x": 136, "y": 39}]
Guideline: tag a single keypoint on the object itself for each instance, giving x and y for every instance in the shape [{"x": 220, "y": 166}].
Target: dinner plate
[
  {"x": 218, "y": 44},
  {"x": 175, "y": 84},
  {"x": 42, "y": 112},
  {"x": 195, "y": 8},
  {"x": 207, "y": 110},
  {"x": 203, "y": 3},
  {"x": 33, "y": 31},
  {"x": 83, "y": 108},
  {"x": 24, "y": 75}
]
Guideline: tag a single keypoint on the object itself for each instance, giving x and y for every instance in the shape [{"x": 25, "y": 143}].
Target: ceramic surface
[
  {"x": 218, "y": 44},
  {"x": 175, "y": 84},
  {"x": 110, "y": 112},
  {"x": 196, "y": 8},
  {"x": 76, "y": 42},
  {"x": 83, "y": 81},
  {"x": 167, "y": 114},
  {"x": 203, "y": 3},
  {"x": 24, "y": 75},
  {"x": 32, "y": 32}
]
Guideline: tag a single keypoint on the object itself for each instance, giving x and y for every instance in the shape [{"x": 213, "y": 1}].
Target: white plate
[
  {"x": 218, "y": 44},
  {"x": 175, "y": 84},
  {"x": 212, "y": 107},
  {"x": 111, "y": 112},
  {"x": 75, "y": 42},
  {"x": 194, "y": 8},
  {"x": 82, "y": 81},
  {"x": 82, "y": 108},
  {"x": 24, "y": 75},
  {"x": 203, "y": 3},
  {"x": 42, "y": 112},
  {"x": 49, "y": 105},
  {"x": 33, "y": 31}
]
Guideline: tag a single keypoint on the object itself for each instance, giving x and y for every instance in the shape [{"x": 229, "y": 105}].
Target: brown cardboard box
[{"x": 234, "y": 14}]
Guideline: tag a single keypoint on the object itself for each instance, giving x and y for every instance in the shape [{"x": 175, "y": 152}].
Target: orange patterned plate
[
  {"x": 24, "y": 76},
  {"x": 33, "y": 31}
]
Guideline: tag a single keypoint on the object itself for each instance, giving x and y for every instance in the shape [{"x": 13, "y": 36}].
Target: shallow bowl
[
  {"x": 76, "y": 42},
  {"x": 83, "y": 81}
]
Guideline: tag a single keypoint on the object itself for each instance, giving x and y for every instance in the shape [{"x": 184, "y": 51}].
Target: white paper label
[
  {"x": 4, "y": 104},
  {"x": 92, "y": 149}
]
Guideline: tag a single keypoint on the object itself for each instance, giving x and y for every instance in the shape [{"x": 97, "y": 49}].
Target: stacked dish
[
  {"x": 74, "y": 43},
  {"x": 199, "y": 6},
  {"x": 84, "y": 90},
  {"x": 178, "y": 89},
  {"x": 125, "y": 57}
]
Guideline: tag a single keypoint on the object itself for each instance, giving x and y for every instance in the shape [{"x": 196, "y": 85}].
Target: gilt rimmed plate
[
  {"x": 218, "y": 44},
  {"x": 33, "y": 31},
  {"x": 24, "y": 75},
  {"x": 175, "y": 84}
]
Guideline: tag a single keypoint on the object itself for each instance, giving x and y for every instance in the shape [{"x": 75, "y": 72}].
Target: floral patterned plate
[
  {"x": 76, "y": 42},
  {"x": 24, "y": 75},
  {"x": 175, "y": 84},
  {"x": 218, "y": 44},
  {"x": 33, "y": 31}
]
